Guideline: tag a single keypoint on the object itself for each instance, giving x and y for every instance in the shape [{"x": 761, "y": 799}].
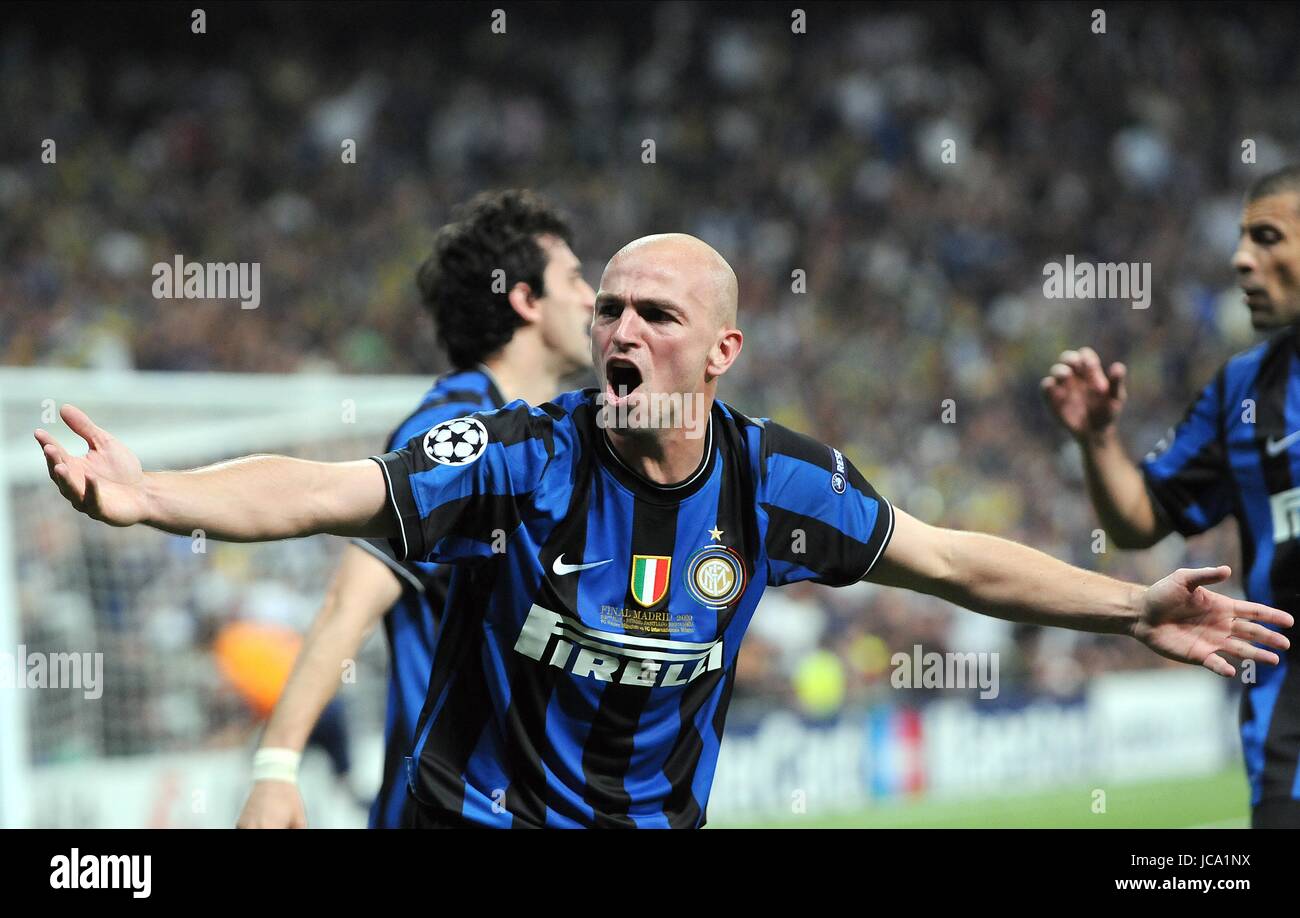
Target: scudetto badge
[{"x": 650, "y": 578}]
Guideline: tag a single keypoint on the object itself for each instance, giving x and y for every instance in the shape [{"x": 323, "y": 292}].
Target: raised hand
[
  {"x": 1184, "y": 621},
  {"x": 107, "y": 483},
  {"x": 1085, "y": 399}
]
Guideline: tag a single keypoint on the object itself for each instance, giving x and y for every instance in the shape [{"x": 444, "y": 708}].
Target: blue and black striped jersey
[
  {"x": 410, "y": 625},
  {"x": 1237, "y": 452},
  {"x": 588, "y": 651}
]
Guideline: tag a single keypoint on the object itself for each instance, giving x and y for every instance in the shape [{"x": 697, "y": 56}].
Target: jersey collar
[
  {"x": 645, "y": 488},
  {"x": 494, "y": 387}
]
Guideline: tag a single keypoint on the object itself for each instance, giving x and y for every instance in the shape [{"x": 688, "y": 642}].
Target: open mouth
[{"x": 623, "y": 377}]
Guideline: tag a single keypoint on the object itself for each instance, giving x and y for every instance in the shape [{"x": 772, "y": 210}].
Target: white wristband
[{"x": 276, "y": 765}]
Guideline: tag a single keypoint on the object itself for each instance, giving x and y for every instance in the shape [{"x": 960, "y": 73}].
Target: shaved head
[
  {"x": 1283, "y": 181},
  {"x": 664, "y": 328},
  {"x": 710, "y": 278}
]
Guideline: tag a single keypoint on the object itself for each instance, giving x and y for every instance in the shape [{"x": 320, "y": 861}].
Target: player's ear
[
  {"x": 724, "y": 352},
  {"x": 523, "y": 302}
]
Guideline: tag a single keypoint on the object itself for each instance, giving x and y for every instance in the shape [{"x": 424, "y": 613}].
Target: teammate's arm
[
  {"x": 256, "y": 498},
  {"x": 1177, "y": 618},
  {"x": 1087, "y": 401},
  {"x": 362, "y": 590}
]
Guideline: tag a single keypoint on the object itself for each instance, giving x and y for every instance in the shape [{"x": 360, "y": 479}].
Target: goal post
[
  {"x": 14, "y": 753},
  {"x": 106, "y": 634}
]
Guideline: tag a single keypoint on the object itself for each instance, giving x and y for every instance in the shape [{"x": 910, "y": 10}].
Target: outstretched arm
[
  {"x": 253, "y": 499},
  {"x": 361, "y": 592},
  {"x": 1178, "y": 617}
]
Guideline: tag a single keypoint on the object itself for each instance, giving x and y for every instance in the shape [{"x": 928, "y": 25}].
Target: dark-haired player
[
  {"x": 1223, "y": 460},
  {"x": 582, "y": 674},
  {"x": 508, "y": 335}
]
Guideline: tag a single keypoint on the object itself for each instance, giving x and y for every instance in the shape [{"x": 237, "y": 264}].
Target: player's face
[
  {"x": 656, "y": 321},
  {"x": 1267, "y": 260},
  {"x": 566, "y": 308}
]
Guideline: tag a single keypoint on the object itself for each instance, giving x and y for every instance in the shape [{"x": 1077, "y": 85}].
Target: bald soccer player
[{"x": 608, "y": 568}]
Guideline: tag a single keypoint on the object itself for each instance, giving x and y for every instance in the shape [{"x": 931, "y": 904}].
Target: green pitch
[{"x": 1219, "y": 801}]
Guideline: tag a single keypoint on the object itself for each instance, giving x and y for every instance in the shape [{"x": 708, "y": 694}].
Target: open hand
[
  {"x": 1184, "y": 621},
  {"x": 107, "y": 483}
]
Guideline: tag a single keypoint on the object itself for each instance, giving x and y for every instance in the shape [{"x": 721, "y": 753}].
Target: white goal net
[{"x": 113, "y": 708}]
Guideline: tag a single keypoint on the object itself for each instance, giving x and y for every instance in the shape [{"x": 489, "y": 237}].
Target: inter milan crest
[
  {"x": 650, "y": 578},
  {"x": 715, "y": 576},
  {"x": 456, "y": 442}
]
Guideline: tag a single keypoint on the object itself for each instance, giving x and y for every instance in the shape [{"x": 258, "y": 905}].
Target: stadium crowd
[{"x": 891, "y": 283}]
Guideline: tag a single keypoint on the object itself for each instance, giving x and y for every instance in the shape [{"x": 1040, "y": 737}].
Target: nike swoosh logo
[
  {"x": 1273, "y": 447},
  {"x": 561, "y": 568}
]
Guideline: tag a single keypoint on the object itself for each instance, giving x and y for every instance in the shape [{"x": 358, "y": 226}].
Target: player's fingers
[
  {"x": 258, "y": 815},
  {"x": 1204, "y": 576},
  {"x": 1250, "y": 651},
  {"x": 263, "y": 822},
  {"x": 43, "y": 436},
  {"x": 53, "y": 457},
  {"x": 1256, "y": 612},
  {"x": 58, "y": 475},
  {"x": 62, "y": 477},
  {"x": 1061, "y": 372},
  {"x": 1118, "y": 374},
  {"x": 1092, "y": 370},
  {"x": 1071, "y": 359},
  {"x": 53, "y": 463},
  {"x": 82, "y": 425},
  {"x": 92, "y": 495},
  {"x": 1052, "y": 390},
  {"x": 51, "y": 446},
  {"x": 56, "y": 451},
  {"x": 1216, "y": 664},
  {"x": 1249, "y": 631}
]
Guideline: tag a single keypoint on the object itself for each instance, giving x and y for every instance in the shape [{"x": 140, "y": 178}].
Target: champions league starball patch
[
  {"x": 715, "y": 576},
  {"x": 456, "y": 442}
]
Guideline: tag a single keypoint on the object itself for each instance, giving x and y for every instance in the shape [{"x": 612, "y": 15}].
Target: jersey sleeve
[
  {"x": 411, "y": 575},
  {"x": 1187, "y": 473},
  {"x": 464, "y": 486},
  {"x": 442, "y": 406},
  {"x": 825, "y": 522}
]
